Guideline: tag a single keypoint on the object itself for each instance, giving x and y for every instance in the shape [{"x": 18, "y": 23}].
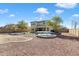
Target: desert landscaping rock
[{"x": 59, "y": 46}]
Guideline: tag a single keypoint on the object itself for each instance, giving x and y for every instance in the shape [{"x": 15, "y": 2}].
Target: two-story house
[{"x": 40, "y": 26}]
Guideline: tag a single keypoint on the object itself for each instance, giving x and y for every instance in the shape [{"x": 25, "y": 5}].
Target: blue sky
[{"x": 12, "y": 13}]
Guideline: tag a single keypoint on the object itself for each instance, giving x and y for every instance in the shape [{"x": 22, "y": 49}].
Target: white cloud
[
  {"x": 42, "y": 11},
  {"x": 66, "y": 5},
  {"x": 40, "y": 18},
  {"x": 11, "y": 15},
  {"x": 75, "y": 15},
  {"x": 3, "y": 11},
  {"x": 59, "y": 11}
]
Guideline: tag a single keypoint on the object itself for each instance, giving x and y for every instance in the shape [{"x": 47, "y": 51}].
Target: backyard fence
[{"x": 74, "y": 32}]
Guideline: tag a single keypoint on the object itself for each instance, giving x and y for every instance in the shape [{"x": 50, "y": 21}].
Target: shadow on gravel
[
  {"x": 46, "y": 37},
  {"x": 61, "y": 37},
  {"x": 68, "y": 37}
]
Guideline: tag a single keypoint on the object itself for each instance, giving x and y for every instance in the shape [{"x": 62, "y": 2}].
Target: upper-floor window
[
  {"x": 40, "y": 23},
  {"x": 32, "y": 23}
]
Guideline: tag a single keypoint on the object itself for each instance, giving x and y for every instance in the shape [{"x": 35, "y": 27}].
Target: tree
[
  {"x": 22, "y": 25},
  {"x": 10, "y": 27},
  {"x": 74, "y": 24},
  {"x": 55, "y": 22}
]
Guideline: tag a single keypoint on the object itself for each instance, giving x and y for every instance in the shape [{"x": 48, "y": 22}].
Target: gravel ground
[
  {"x": 59, "y": 46},
  {"x": 13, "y": 38}
]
